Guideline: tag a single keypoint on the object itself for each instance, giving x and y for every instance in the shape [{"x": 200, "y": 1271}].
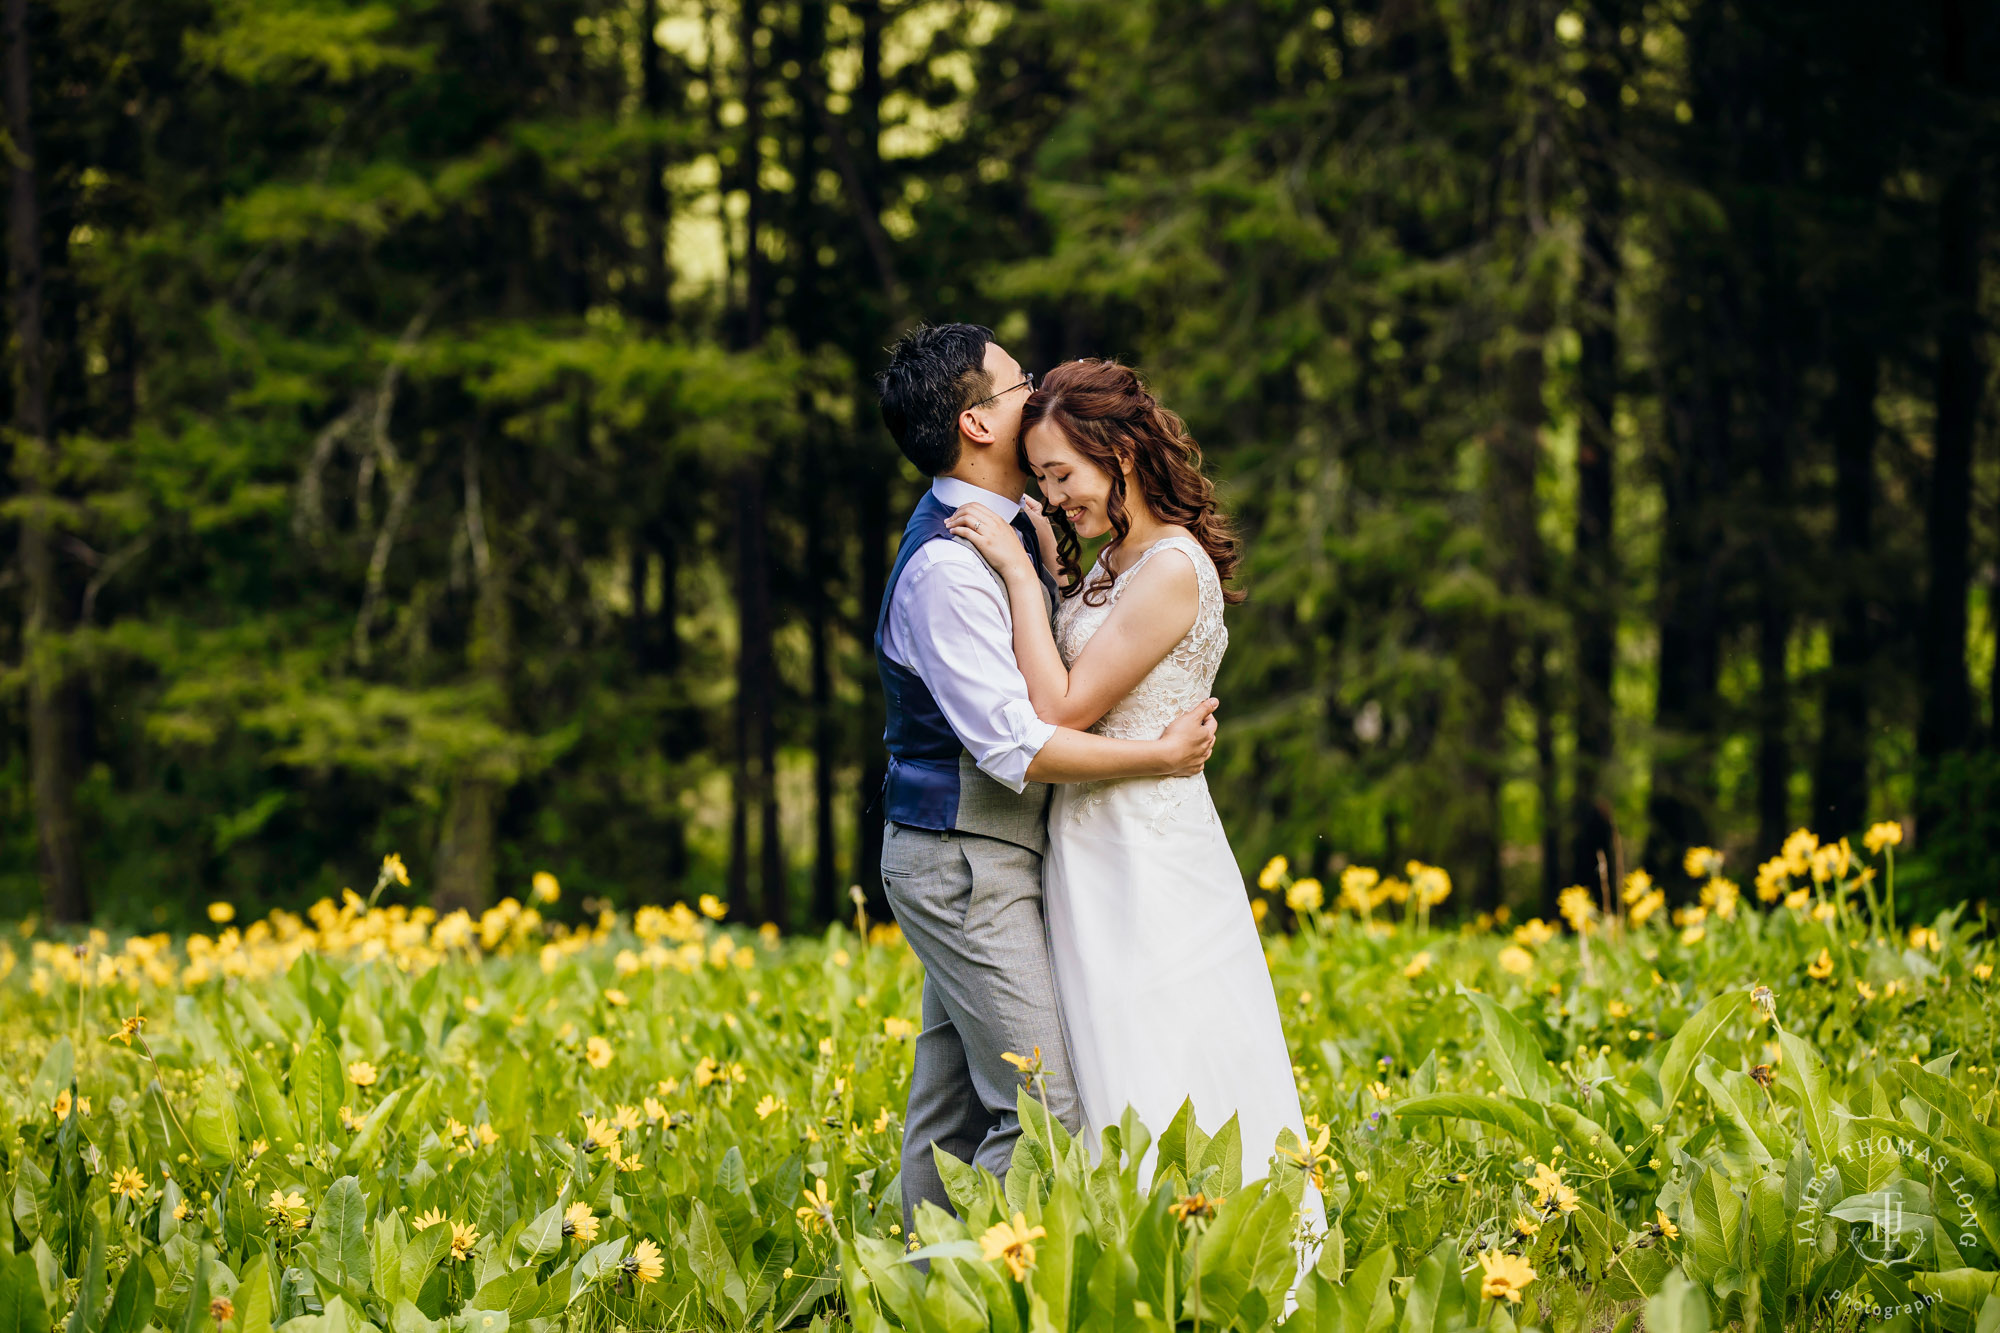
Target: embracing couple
[{"x": 1050, "y": 849}]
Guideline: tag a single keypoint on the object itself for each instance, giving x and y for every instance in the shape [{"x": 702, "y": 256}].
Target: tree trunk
[
  {"x": 1840, "y": 776},
  {"x": 466, "y": 859},
  {"x": 50, "y": 703},
  {"x": 874, "y": 468},
  {"x": 1595, "y": 613},
  {"x": 655, "y": 305},
  {"x": 1946, "y": 715}
]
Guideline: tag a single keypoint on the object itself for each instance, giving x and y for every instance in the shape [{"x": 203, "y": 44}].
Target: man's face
[{"x": 1001, "y": 413}]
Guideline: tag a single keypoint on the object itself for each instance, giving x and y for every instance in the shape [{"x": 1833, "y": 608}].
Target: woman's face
[{"x": 1069, "y": 481}]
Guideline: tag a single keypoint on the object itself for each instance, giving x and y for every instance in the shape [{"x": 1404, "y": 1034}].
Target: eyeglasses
[{"x": 1027, "y": 379}]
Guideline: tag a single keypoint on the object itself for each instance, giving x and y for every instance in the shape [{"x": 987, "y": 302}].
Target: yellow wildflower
[
  {"x": 646, "y": 1263},
  {"x": 1013, "y": 1244},
  {"x": 1577, "y": 908},
  {"x": 1534, "y": 933},
  {"x": 898, "y": 1029},
  {"x": 1636, "y": 886},
  {"x": 1419, "y": 963},
  {"x": 361, "y": 1074},
  {"x": 1821, "y": 967},
  {"x": 463, "y": 1237},
  {"x": 1355, "y": 884},
  {"x": 1525, "y": 1226},
  {"x": 221, "y": 913},
  {"x": 128, "y": 1029},
  {"x": 1665, "y": 1227},
  {"x": 1702, "y": 863},
  {"x": 1505, "y": 1276},
  {"x": 1982, "y": 971},
  {"x": 615, "y": 997},
  {"x": 1923, "y": 937},
  {"x": 1429, "y": 885},
  {"x": 393, "y": 867},
  {"x": 1771, "y": 880},
  {"x": 1305, "y": 895},
  {"x": 768, "y": 1106},
  {"x": 1517, "y": 960},
  {"x": 428, "y": 1219},
  {"x": 1721, "y": 896},
  {"x": 543, "y": 888},
  {"x": 580, "y": 1222},
  {"x": 817, "y": 1211},
  {"x": 127, "y": 1183},
  {"x": 1646, "y": 906},
  {"x": 1798, "y": 851},
  {"x": 598, "y": 1052},
  {"x": 712, "y": 907},
  {"x": 1888, "y": 833},
  {"x": 1274, "y": 870}
]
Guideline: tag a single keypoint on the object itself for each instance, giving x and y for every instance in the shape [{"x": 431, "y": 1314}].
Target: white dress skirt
[{"x": 1160, "y": 973}]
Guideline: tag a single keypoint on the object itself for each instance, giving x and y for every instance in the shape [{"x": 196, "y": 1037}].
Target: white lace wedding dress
[{"x": 1160, "y": 974}]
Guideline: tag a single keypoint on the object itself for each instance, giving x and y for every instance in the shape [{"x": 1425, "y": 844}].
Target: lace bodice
[{"x": 1184, "y": 677}]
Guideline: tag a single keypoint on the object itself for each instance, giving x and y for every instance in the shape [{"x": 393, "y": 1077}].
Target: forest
[{"x": 446, "y": 427}]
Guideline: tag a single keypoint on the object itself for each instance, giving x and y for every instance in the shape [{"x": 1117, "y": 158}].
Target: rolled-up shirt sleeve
[{"x": 949, "y": 622}]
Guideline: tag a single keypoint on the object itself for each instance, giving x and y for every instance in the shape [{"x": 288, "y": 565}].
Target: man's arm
[
  {"x": 950, "y": 625},
  {"x": 1081, "y": 756}
]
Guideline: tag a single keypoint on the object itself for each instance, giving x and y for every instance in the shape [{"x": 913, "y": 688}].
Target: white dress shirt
[{"x": 949, "y": 621}]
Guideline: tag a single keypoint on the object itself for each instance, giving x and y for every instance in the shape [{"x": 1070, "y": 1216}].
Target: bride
[{"x": 1160, "y": 974}]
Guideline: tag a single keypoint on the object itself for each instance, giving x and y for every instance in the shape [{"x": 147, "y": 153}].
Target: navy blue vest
[{"x": 922, "y": 786}]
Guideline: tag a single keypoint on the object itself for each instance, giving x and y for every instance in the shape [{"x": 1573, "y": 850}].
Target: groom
[{"x": 966, "y": 800}]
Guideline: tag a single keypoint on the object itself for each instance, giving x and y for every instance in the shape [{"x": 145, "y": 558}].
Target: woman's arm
[{"x": 1154, "y": 612}]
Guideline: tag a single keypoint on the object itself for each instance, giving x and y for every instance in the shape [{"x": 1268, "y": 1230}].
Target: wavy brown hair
[{"x": 1109, "y": 416}]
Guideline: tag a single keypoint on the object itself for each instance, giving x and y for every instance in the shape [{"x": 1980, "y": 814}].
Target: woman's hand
[
  {"x": 992, "y": 538},
  {"x": 1045, "y": 534}
]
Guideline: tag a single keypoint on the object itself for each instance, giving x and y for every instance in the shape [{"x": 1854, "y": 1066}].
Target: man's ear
[{"x": 973, "y": 426}]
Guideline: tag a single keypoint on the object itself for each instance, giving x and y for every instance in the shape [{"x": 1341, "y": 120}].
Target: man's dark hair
[{"x": 935, "y": 372}]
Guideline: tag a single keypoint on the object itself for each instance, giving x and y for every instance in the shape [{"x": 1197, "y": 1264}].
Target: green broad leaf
[
  {"x": 964, "y": 1184},
  {"x": 1587, "y": 1139},
  {"x": 480, "y": 1319},
  {"x": 1505, "y": 1116},
  {"x": 35, "y": 1204},
  {"x": 1512, "y": 1050},
  {"x": 1802, "y": 1075},
  {"x": 712, "y": 1264},
  {"x": 1968, "y": 1288},
  {"x": 275, "y": 1124},
  {"x": 592, "y": 1265},
  {"x": 500, "y": 1292},
  {"x": 1181, "y": 1143},
  {"x": 946, "y": 1249},
  {"x": 407, "y": 1318},
  {"x": 507, "y": 1092},
  {"x": 374, "y": 1126},
  {"x": 87, "y": 1316},
  {"x": 340, "y": 1228},
  {"x": 422, "y": 1256},
  {"x": 1678, "y": 1307},
  {"x": 386, "y": 1256},
  {"x": 316, "y": 1088},
  {"x": 1367, "y": 1304},
  {"x": 1435, "y": 1301},
  {"x": 1063, "y": 1260},
  {"x": 1684, "y": 1052},
  {"x": 1225, "y": 1151},
  {"x": 1739, "y": 1133},
  {"x": 132, "y": 1301},
  {"x": 254, "y": 1297},
  {"x": 213, "y": 1123},
  {"x": 196, "y": 1318},
  {"x": 21, "y": 1307},
  {"x": 542, "y": 1237},
  {"x": 58, "y": 1069}
]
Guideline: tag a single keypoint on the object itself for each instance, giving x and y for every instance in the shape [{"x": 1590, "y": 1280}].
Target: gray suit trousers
[{"x": 971, "y": 909}]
